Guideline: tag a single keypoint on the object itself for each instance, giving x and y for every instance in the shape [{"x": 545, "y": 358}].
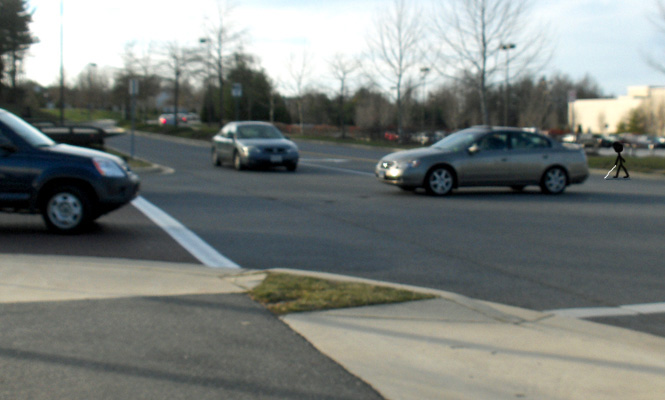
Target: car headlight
[
  {"x": 247, "y": 150},
  {"x": 108, "y": 168}
]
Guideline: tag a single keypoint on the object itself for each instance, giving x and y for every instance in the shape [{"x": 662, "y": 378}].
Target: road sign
[
  {"x": 236, "y": 90},
  {"x": 133, "y": 87}
]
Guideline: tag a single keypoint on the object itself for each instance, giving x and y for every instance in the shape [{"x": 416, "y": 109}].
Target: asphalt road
[
  {"x": 597, "y": 245},
  {"x": 125, "y": 233},
  {"x": 177, "y": 347}
]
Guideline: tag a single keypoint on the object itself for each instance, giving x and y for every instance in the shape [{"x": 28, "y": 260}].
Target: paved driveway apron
[{"x": 208, "y": 346}]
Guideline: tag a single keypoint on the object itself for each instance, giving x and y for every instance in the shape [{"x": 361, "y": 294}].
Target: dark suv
[{"x": 70, "y": 186}]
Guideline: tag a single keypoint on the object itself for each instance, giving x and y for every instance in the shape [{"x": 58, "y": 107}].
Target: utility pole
[
  {"x": 62, "y": 66},
  {"x": 208, "y": 93},
  {"x": 507, "y": 48},
  {"x": 423, "y": 76},
  {"x": 133, "y": 92}
]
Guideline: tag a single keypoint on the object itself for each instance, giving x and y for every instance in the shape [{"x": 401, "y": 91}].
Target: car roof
[
  {"x": 250, "y": 123},
  {"x": 505, "y": 128}
]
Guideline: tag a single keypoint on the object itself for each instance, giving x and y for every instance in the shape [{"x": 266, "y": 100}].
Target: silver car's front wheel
[
  {"x": 237, "y": 162},
  {"x": 439, "y": 181},
  {"x": 554, "y": 181},
  {"x": 215, "y": 158}
]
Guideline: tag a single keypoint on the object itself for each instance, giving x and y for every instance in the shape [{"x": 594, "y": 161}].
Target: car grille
[{"x": 274, "y": 150}]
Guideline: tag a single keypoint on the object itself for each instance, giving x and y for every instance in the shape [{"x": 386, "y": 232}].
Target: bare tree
[
  {"x": 342, "y": 67},
  {"x": 139, "y": 64},
  {"x": 474, "y": 33},
  {"x": 178, "y": 62},
  {"x": 222, "y": 39},
  {"x": 657, "y": 123},
  {"x": 658, "y": 21},
  {"x": 536, "y": 108},
  {"x": 395, "y": 48},
  {"x": 299, "y": 71},
  {"x": 93, "y": 87}
]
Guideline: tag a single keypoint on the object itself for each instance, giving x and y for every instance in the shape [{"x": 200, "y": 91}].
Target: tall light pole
[
  {"x": 62, "y": 67},
  {"x": 208, "y": 93},
  {"x": 91, "y": 66},
  {"x": 423, "y": 76},
  {"x": 507, "y": 47}
]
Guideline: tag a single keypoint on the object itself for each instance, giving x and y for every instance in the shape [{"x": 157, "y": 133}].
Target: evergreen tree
[{"x": 15, "y": 39}]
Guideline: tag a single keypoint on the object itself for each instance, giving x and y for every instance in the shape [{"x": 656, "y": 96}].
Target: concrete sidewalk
[{"x": 451, "y": 347}]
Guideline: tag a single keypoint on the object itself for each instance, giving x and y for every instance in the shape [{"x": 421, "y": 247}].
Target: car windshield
[
  {"x": 26, "y": 131},
  {"x": 459, "y": 140},
  {"x": 258, "y": 132}
]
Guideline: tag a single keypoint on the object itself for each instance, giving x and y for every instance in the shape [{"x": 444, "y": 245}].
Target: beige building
[{"x": 603, "y": 115}]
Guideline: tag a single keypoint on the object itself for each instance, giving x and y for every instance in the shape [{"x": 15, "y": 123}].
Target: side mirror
[{"x": 473, "y": 149}]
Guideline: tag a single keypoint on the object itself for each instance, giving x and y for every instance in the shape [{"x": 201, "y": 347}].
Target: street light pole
[
  {"x": 90, "y": 90},
  {"x": 507, "y": 47},
  {"x": 62, "y": 67},
  {"x": 208, "y": 93},
  {"x": 423, "y": 74}
]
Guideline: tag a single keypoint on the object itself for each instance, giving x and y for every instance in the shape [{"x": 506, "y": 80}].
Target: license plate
[{"x": 276, "y": 159}]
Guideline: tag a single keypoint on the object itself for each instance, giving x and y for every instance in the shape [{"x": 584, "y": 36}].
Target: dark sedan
[
  {"x": 486, "y": 156},
  {"x": 253, "y": 144}
]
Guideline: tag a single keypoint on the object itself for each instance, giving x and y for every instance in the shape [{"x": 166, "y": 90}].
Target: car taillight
[{"x": 162, "y": 121}]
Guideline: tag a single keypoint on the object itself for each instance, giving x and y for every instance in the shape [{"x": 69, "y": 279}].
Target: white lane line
[
  {"x": 344, "y": 170},
  {"x": 621, "y": 311},
  {"x": 187, "y": 239},
  {"x": 324, "y": 160}
]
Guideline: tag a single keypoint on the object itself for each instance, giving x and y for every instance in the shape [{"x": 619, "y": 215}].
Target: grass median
[
  {"x": 284, "y": 293},
  {"x": 650, "y": 164}
]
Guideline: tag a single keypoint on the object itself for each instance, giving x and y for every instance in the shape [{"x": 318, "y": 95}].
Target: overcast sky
[{"x": 606, "y": 39}]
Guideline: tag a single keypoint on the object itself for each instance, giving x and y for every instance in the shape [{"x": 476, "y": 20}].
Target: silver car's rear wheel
[
  {"x": 439, "y": 181},
  {"x": 554, "y": 181}
]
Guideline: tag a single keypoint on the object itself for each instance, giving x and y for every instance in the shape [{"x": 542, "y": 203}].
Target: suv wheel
[{"x": 67, "y": 209}]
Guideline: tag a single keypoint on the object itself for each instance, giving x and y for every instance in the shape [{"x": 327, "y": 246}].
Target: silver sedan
[
  {"x": 486, "y": 156},
  {"x": 250, "y": 144}
]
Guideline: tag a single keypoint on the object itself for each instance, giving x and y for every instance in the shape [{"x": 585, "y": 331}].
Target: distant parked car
[
  {"x": 391, "y": 136},
  {"x": 588, "y": 140},
  {"x": 427, "y": 138},
  {"x": 253, "y": 144},
  {"x": 486, "y": 156},
  {"x": 659, "y": 142},
  {"x": 70, "y": 186},
  {"x": 636, "y": 141},
  {"x": 567, "y": 138},
  {"x": 183, "y": 118}
]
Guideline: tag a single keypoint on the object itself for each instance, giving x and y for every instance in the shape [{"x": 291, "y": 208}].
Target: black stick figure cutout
[{"x": 618, "y": 147}]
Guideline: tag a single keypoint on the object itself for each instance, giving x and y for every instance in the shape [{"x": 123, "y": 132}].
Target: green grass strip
[
  {"x": 650, "y": 164},
  {"x": 286, "y": 293}
]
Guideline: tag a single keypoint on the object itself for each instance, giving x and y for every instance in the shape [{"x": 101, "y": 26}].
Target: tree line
[{"x": 385, "y": 89}]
